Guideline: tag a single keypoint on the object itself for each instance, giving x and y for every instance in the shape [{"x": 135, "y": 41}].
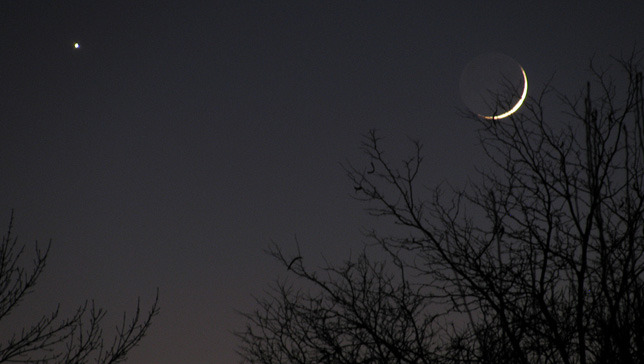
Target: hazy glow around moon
[{"x": 518, "y": 104}]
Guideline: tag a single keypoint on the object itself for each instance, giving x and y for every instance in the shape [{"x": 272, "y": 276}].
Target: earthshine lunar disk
[
  {"x": 493, "y": 86},
  {"x": 517, "y": 105}
]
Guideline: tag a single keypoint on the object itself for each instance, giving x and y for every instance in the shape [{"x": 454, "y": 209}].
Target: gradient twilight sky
[{"x": 182, "y": 137}]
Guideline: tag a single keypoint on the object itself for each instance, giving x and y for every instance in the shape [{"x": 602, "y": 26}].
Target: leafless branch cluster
[
  {"x": 358, "y": 313},
  {"x": 55, "y": 338},
  {"x": 543, "y": 255}
]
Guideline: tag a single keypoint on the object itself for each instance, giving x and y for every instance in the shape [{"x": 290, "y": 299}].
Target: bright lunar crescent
[
  {"x": 517, "y": 105},
  {"x": 493, "y": 86}
]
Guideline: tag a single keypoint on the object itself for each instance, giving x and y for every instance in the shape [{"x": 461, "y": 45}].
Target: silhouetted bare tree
[
  {"x": 53, "y": 338},
  {"x": 540, "y": 260}
]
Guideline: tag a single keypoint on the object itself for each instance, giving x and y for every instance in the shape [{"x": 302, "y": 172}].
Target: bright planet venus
[{"x": 493, "y": 85}]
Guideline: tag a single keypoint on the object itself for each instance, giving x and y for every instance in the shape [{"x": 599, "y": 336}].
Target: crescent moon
[{"x": 517, "y": 105}]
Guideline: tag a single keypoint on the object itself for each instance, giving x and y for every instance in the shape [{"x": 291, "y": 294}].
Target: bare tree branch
[{"x": 76, "y": 339}]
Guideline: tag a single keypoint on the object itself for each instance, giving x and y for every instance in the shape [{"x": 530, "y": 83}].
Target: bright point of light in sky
[{"x": 76, "y": 45}]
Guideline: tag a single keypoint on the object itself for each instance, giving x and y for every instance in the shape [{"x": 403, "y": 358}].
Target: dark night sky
[{"x": 183, "y": 137}]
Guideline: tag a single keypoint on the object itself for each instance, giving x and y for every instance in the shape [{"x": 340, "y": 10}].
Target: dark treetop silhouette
[
  {"x": 53, "y": 338},
  {"x": 539, "y": 260}
]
